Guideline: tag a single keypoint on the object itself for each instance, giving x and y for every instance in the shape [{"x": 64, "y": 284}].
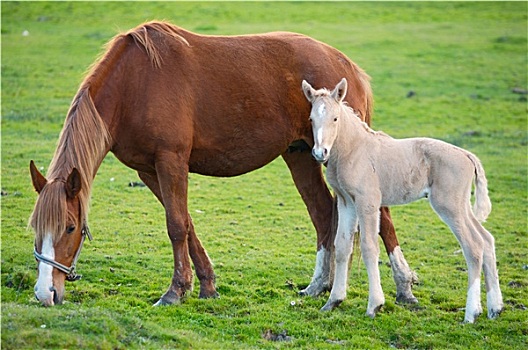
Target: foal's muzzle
[{"x": 320, "y": 154}]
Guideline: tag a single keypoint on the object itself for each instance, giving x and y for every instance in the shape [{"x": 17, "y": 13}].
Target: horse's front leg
[
  {"x": 202, "y": 265},
  {"x": 368, "y": 213},
  {"x": 403, "y": 276},
  {"x": 201, "y": 261},
  {"x": 308, "y": 178},
  {"x": 344, "y": 240},
  {"x": 172, "y": 178}
]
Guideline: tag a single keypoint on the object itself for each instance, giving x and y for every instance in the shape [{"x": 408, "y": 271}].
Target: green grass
[{"x": 460, "y": 59}]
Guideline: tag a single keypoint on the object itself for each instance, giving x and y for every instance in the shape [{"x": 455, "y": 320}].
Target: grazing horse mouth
[{"x": 51, "y": 301}]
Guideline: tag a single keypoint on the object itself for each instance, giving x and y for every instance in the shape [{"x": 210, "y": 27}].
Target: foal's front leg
[
  {"x": 346, "y": 228},
  {"x": 368, "y": 214}
]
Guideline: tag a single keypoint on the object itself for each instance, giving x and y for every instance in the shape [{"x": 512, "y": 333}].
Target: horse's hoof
[
  {"x": 406, "y": 299},
  {"x": 162, "y": 302},
  {"x": 330, "y": 305},
  {"x": 166, "y": 300},
  {"x": 209, "y": 295},
  {"x": 313, "y": 291}
]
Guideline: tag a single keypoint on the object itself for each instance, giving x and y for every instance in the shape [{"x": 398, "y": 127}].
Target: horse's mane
[
  {"x": 85, "y": 139},
  {"x": 83, "y": 143},
  {"x": 144, "y": 36}
]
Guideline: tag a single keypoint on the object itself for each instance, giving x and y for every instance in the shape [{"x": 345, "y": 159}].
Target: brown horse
[{"x": 167, "y": 102}]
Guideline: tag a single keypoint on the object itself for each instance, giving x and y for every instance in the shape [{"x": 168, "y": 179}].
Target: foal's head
[
  {"x": 324, "y": 116},
  {"x": 59, "y": 228}
]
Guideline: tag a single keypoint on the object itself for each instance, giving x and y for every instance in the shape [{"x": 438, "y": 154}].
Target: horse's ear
[
  {"x": 308, "y": 90},
  {"x": 340, "y": 90},
  {"x": 39, "y": 181},
  {"x": 73, "y": 184}
]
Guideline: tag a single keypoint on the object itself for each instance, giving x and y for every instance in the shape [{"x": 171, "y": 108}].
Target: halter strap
[{"x": 71, "y": 275}]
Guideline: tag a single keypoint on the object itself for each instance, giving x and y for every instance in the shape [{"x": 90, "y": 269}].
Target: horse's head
[
  {"x": 60, "y": 229},
  {"x": 324, "y": 116}
]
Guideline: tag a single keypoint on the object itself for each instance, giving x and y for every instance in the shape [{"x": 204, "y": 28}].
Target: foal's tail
[{"x": 482, "y": 206}]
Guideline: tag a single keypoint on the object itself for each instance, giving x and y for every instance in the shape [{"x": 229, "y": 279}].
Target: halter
[{"x": 71, "y": 275}]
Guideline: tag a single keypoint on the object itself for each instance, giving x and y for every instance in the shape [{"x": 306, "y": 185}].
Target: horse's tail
[
  {"x": 364, "y": 79},
  {"x": 482, "y": 206}
]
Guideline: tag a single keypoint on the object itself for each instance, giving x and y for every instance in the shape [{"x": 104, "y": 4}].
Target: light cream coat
[{"x": 369, "y": 169}]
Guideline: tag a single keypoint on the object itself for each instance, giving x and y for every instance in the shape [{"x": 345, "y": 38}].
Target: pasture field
[{"x": 443, "y": 70}]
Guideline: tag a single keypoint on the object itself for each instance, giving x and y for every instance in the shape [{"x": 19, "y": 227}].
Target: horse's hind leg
[
  {"x": 200, "y": 259},
  {"x": 308, "y": 178},
  {"x": 493, "y": 292},
  {"x": 403, "y": 276}
]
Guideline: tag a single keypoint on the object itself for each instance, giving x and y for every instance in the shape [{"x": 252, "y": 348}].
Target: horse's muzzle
[{"x": 49, "y": 299}]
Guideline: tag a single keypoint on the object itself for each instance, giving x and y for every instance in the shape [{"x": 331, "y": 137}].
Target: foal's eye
[
  {"x": 310, "y": 119},
  {"x": 335, "y": 119},
  {"x": 70, "y": 229}
]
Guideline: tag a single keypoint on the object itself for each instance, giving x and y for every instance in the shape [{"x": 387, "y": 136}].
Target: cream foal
[{"x": 368, "y": 169}]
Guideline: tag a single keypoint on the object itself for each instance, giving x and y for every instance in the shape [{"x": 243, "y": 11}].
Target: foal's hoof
[
  {"x": 493, "y": 314},
  {"x": 372, "y": 313},
  {"x": 471, "y": 318},
  {"x": 330, "y": 305}
]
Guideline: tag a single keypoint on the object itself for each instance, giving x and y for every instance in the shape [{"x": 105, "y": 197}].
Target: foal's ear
[
  {"x": 73, "y": 184},
  {"x": 340, "y": 90},
  {"x": 39, "y": 181},
  {"x": 308, "y": 90}
]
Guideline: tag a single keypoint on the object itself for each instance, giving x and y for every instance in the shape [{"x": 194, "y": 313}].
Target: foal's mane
[
  {"x": 85, "y": 140},
  {"x": 347, "y": 110},
  {"x": 352, "y": 115}
]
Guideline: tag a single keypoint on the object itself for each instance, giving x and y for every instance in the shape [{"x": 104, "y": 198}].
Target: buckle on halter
[
  {"x": 86, "y": 232},
  {"x": 73, "y": 276}
]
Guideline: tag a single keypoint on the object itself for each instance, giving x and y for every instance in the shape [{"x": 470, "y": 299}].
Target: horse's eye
[
  {"x": 335, "y": 119},
  {"x": 70, "y": 229},
  {"x": 310, "y": 119}
]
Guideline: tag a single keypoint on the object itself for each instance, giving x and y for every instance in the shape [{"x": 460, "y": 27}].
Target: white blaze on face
[
  {"x": 320, "y": 113},
  {"x": 44, "y": 283}
]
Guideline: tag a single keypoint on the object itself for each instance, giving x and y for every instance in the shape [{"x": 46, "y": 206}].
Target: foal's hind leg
[
  {"x": 491, "y": 276},
  {"x": 455, "y": 215},
  {"x": 201, "y": 261}
]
